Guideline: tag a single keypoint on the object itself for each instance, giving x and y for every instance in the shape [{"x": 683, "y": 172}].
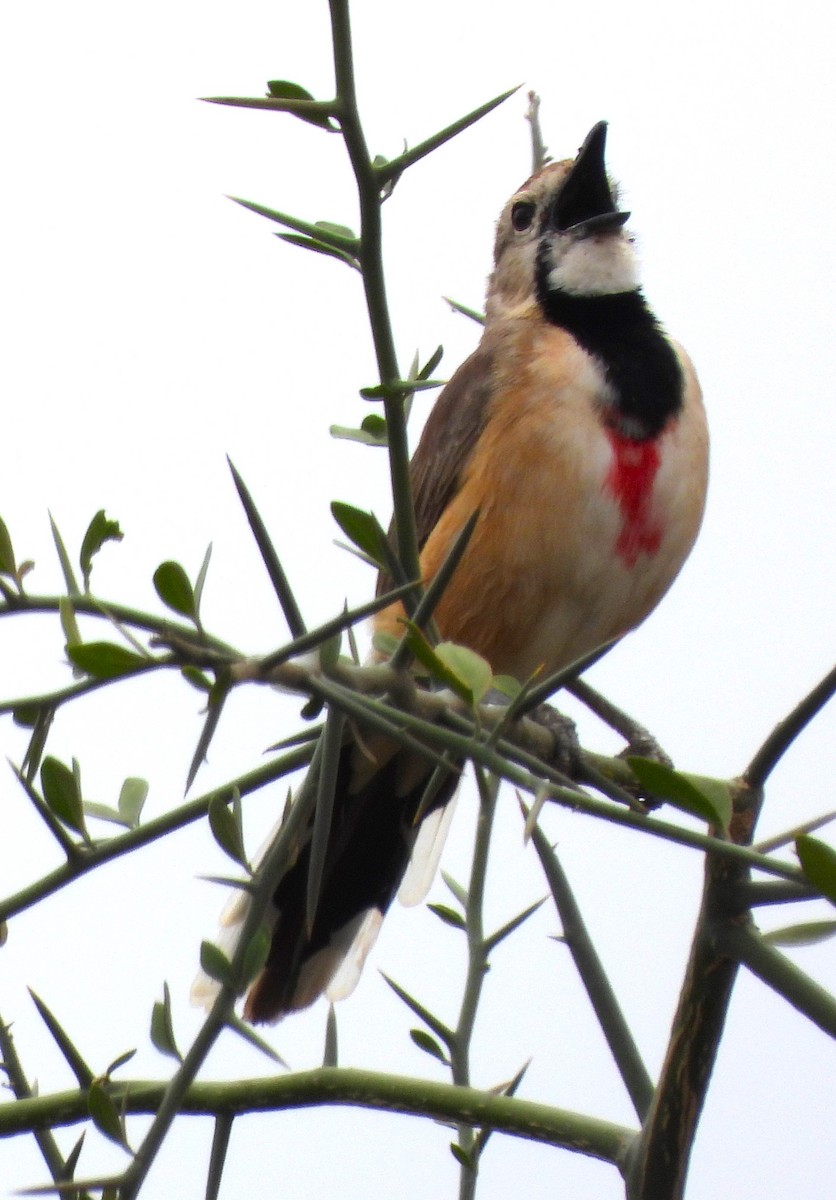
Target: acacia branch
[{"x": 446, "y": 1102}]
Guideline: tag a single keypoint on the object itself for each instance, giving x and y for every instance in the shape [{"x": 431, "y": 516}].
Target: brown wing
[{"x": 450, "y": 435}]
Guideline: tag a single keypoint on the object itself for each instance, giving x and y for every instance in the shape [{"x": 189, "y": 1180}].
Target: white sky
[{"x": 151, "y": 327}]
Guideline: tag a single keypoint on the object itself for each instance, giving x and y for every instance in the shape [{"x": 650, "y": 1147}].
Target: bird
[{"x": 576, "y": 430}]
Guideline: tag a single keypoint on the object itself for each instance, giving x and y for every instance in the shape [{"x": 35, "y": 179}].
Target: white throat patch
[{"x": 601, "y": 265}]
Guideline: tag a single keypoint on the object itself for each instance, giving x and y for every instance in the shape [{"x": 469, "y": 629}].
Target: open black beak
[{"x": 585, "y": 203}]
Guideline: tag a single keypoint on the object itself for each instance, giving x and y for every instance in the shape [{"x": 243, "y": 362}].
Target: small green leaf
[
  {"x": 105, "y": 1115},
  {"x": 197, "y": 679},
  {"x": 428, "y": 1044},
  {"x": 7, "y": 554},
  {"x": 174, "y": 588},
  {"x": 255, "y": 956},
  {"x": 709, "y": 799},
  {"x": 215, "y": 964},
  {"x": 224, "y": 821},
  {"x": 162, "y": 1027},
  {"x": 448, "y": 915},
  {"x": 437, "y": 668},
  {"x": 132, "y": 797},
  {"x": 62, "y": 795},
  {"x": 462, "y": 1157},
  {"x": 372, "y": 431},
  {"x": 106, "y": 660},
  {"x": 431, "y": 363},
  {"x": 119, "y": 1061},
  {"x": 26, "y": 716},
  {"x": 385, "y": 643},
  {"x": 283, "y": 89},
  {"x": 507, "y": 685},
  {"x": 341, "y": 231},
  {"x": 99, "y": 531},
  {"x": 361, "y": 528},
  {"x": 103, "y": 812},
  {"x": 473, "y": 670},
  {"x": 818, "y": 862},
  {"x": 456, "y": 888},
  {"x": 806, "y": 934}
]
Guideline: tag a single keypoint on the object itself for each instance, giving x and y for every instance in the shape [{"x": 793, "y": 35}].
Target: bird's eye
[{"x": 522, "y": 214}]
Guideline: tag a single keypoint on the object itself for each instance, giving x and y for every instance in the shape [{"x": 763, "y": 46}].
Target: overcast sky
[{"x": 151, "y": 327}]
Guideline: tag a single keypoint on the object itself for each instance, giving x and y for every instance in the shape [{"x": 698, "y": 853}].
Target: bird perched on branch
[{"x": 577, "y": 431}]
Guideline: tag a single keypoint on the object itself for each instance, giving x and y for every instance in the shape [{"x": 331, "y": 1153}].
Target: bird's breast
[{"x": 581, "y": 530}]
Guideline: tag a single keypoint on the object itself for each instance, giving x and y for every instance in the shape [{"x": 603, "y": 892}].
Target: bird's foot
[
  {"x": 566, "y": 754},
  {"x": 643, "y": 744}
]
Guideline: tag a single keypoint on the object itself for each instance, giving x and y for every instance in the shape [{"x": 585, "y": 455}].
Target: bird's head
[{"x": 563, "y": 231}]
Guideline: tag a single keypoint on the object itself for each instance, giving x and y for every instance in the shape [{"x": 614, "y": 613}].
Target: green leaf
[
  {"x": 473, "y": 670},
  {"x": 806, "y": 934},
  {"x": 103, "y": 812},
  {"x": 7, "y": 554},
  {"x": 225, "y": 823},
  {"x": 456, "y": 888},
  {"x": 431, "y": 363},
  {"x": 99, "y": 531},
  {"x": 309, "y": 243},
  {"x": 283, "y": 89},
  {"x": 361, "y": 528},
  {"x": 428, "y": 1044},
  {"x": 818, "y": 862},
  {"x": 341, "y": 231},
  {"x": 175, "y": 590},
  {"x": 26, "y": 716},
  {"x": 215, "y": 964},
  {"x": 132, "y": 797},
  {"x": 119, "y": 1061},
  {"x": 197, "y": 679},
  {"x": 255, "y": 956},
  {"x": 423, "y": 652},
  {"x": 105, "y": 1115},
  {"x": 372, "y": 431},
  {"x": 708, "y": 799},
  {"x": 385, "y": 643},
  {"x": 62, "y": 795},
  {"x": 462, "y": 1157},
  {"x": 162, "y": 1027},
  {"x": 106, "y": 660},
  {"x": 507, "y": 685},
  {"x": 448, "y": 915},
  {"x": 399, "y": 388}
]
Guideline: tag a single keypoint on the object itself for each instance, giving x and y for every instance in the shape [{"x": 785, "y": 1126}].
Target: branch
[
  {"x": 126, "y": 843},
  {"x": 786, "y": 731},
  {"x": 342, "y": 1086}
]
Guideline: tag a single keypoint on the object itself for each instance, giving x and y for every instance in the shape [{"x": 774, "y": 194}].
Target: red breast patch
[{"x": 630, "y": 481}]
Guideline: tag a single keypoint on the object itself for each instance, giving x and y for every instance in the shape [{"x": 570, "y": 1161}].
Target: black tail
[{"x": 373, "y": 832}]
